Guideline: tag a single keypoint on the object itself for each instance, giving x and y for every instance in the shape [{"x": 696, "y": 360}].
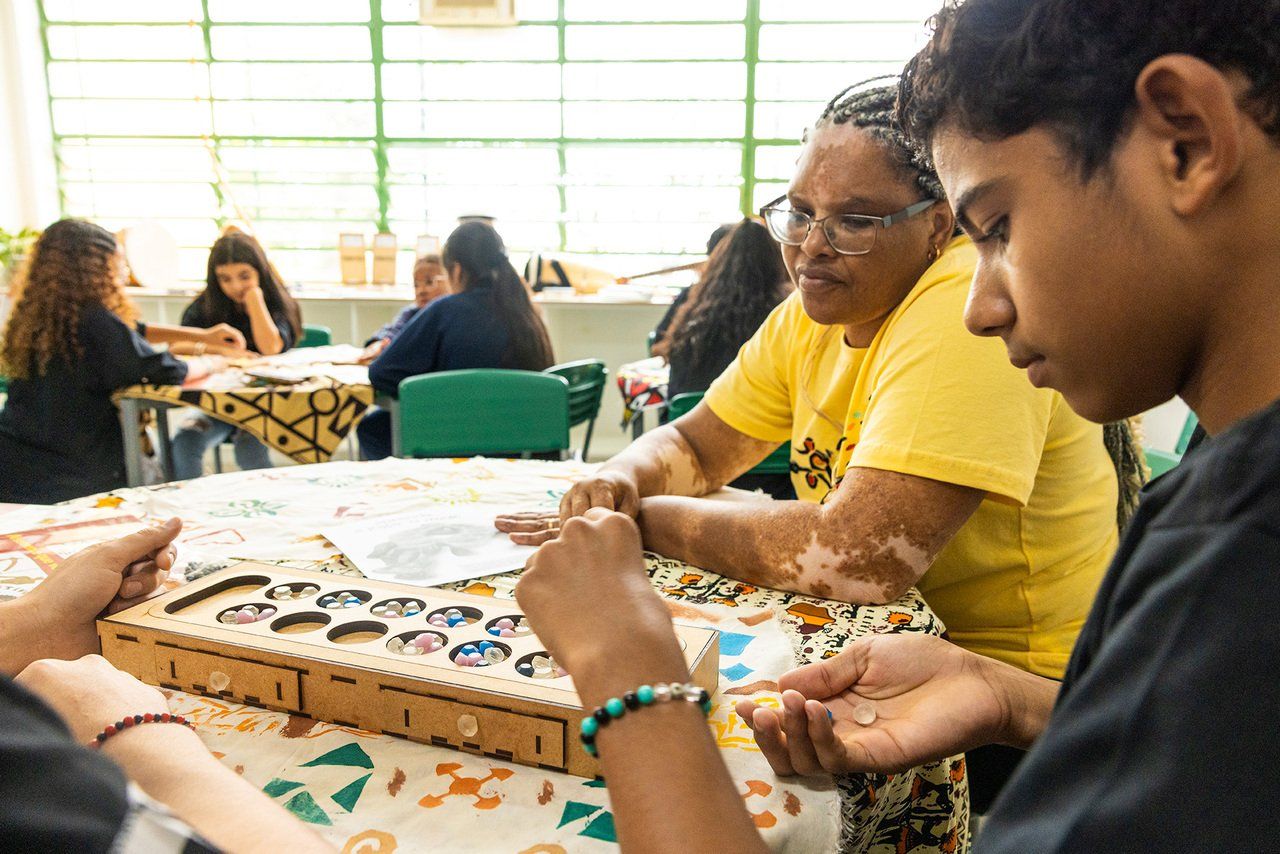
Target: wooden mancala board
[{"x": 326, "y": 646}]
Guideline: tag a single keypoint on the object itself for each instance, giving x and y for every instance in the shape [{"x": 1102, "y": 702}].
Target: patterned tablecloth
[
  {"x": 643, "y": 386},
  {"x": 306, "y": 421},
  {"x": 373, "y": 793}
]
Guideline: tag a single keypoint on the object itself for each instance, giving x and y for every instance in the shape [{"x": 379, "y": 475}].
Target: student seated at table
[
  {"x": 744, "y": 281},
  {"x": 242, "y": 290},
  {"x": 487, "y": 321},
  {"x": 430, "y": 282},
  {"x": 919, "y": 454},
  {"x": 660, "y": 331},
  {"x": 151, "y": 787},
  {"x": 1117, "y": 164},
  {"x": 73, "y": 339}
]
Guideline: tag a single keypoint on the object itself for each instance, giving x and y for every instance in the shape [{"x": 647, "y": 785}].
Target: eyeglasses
[{"x": 848, "y": 234}]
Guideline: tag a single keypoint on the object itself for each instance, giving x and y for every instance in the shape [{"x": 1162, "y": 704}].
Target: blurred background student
[
  {"x": 487, "y": 321},
  {"x": 713, "y": 241},
  {"x": 430, "y": 282},
  {"x": 72, "y": 340},
  {"x": 244, "y": 291},
  {"x": 743, "y": 282}
]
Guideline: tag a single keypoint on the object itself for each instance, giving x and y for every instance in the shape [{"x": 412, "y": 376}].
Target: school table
[
  {"x": 306, "y": 421},
  {"x": 373, "y": 793}
]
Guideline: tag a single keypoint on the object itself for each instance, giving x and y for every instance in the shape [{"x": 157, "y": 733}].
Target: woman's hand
[
  {"x": 89, "y": 693},
  {"x": 895, "y": 702},
  {"x": 606, "y": 489},
  {"x": 224, "y": 335},
  {"x": 589, "y": 600},
  {"x": 529, "y": 529},
  {"x": 60, "y": 614},
  {"x": 373, "y": 351}
]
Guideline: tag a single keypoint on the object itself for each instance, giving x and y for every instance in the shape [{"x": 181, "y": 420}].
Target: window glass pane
[
  {"x": 526, "y": 10},
  {"x": 653, "y": 164},
  {"x": 815, "y": 81},
  {"x": 651, "y": 204},
  {"x": 139, "y": 201},
  {"x": 848, "y": 10},
  {"x": 841, "y": 42},
  {"x": 288, "y": 11},
  {"x": 299, "y": 200},
  {"x": 506, "y": 43},
  {"x": 656, "y": 41},
  {"x": 126, "y": 42},
  {"x": 471, "y": 81},
  {"x": 765, "y": 192},
  {"x": 285, "y": 118},
  {"x": 122, "y": 10},
  {"x": 672, "y": 237},
  {"x": 654, "y": 120},
  {"x": 531, "y": 203},
  {"x": 285, "y": 162},
  {"x": 776, "y": 161},
  {"x": 468, "y": 120},
  {"x": 655, "y": 10},
  {"x": 775, "y": 120},
  {"x": 129, "y": 118},
  {"x": 309, "y": 234},
  {"x": 134, "y": 160},
  {"x": 113, "y": 80},
  {"x": 320, "y": 43},
  {"x": 481, "y": 165},
  {"x": 297, "y": 80},
  {"x": 679, "y": 81}
]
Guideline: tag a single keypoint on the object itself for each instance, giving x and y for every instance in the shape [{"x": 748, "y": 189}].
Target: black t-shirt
[
  {"x": 1164, "y": 734},
  {"x": 58, "y": 796},
  {"x": 196, "y": 315},
  {"x": 60, "y": 432}
]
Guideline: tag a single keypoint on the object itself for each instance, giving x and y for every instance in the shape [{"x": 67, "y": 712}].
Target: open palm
[{"x": 931, "y": 700}]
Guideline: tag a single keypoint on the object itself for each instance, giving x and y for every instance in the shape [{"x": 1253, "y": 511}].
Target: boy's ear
[{"x": 1191, "y": 112}]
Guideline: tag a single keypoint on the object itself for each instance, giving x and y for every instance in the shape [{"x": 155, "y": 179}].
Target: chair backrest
[
  {"x": 682, "y": 403},
  {"x": 478, "y": 412},
  {"x": 1184, "y": 439},
  {"x": 1160, "y": 461},
  {"x": 586, "y": 378},
  {"x": 315, "y": 336},
  {"x": 779, "y": 462}
]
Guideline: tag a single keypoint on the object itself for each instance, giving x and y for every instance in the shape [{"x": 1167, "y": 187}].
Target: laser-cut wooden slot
[{"x": 335, "y": 664}]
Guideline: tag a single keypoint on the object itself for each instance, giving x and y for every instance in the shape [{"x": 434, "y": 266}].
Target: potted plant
[{"x": 14, "y": 246}]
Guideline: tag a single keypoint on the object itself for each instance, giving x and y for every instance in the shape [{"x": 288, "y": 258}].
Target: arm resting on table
[{"x": 869, "y": 544}]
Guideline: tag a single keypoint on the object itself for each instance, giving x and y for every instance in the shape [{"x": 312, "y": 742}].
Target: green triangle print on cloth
[
  {"x": 304, "y": 807},
  {"x": 601, "y": 827},
  {"x": 349, "y": 754},
  {"x": 575, "y": 810},
  {"x": 278, "y": 787},
  {"x": 350, "y": 794}
]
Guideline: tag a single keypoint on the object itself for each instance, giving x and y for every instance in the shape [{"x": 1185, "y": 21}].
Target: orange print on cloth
[
  {"x": 466, "y": 786},
  {"x": 759, "y": 788},
  {"x": 813, "y": 618},
  {"x": 371, "y": 842},
  {"x": 816, "y": 464}
]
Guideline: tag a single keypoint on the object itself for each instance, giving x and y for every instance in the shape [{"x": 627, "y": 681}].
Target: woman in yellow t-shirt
[{"x": 920, "y": 455}]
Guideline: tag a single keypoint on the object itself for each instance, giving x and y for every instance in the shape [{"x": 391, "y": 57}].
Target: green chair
[
  {"x": 315, "y": 336},
  {"x": 481, "y": 413},
  {"x": 586, "y": 378},
  {"x": 779, "y": 462},
  {"x": 1161, "y": 462}
]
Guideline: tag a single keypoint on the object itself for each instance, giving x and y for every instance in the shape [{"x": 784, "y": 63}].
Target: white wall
[{"x": 28, "y": 189}]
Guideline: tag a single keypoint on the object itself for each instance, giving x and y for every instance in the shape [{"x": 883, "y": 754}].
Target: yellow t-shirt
[{"x": 927, "y": 398}]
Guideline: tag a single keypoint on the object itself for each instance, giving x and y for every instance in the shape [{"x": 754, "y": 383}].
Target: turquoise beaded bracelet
[{"x": 645, "y": 695}]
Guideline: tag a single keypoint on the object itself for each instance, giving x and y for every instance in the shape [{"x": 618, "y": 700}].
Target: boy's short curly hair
[{"x": 997, "y": 68}]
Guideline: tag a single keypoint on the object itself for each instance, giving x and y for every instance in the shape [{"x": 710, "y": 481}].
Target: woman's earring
[{"x": 934, "y": 253}]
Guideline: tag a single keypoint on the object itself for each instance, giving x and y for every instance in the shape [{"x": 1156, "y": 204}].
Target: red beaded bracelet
[{"x": 137, "y": 720}]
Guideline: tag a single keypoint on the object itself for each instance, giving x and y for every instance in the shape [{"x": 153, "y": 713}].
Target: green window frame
[{"x": 766, "y": 86}]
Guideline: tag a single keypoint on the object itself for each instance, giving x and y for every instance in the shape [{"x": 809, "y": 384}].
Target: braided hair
[
  {"x": 872, "y": 106},
  {"x": 873, "y": 109}
]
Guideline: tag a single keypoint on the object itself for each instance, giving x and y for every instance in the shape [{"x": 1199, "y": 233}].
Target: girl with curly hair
[
  {"x": 72, "y": 340},
  {"x": 243, "y": 291}
]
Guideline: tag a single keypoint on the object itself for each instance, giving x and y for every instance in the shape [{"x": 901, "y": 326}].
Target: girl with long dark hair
[
  {"x": 744, "y": 280},
  {"x": 72, "y": 340},
  {"x": 244, "y": 291},
  {"x": 487, "y": 321}
]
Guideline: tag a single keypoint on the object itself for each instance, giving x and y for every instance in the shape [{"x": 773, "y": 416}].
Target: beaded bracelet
[
  {"x": 645, "y": 695},
  {"x": 137, "y": 720}
]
